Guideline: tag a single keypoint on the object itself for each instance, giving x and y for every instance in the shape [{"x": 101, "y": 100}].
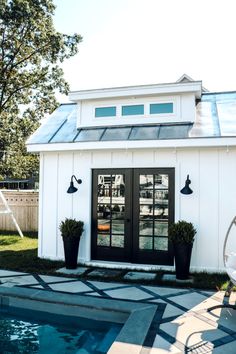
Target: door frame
[{"x": 131, "y": 253}]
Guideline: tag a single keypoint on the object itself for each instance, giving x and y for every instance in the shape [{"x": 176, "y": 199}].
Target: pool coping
[{"x": 137, "y": 317}]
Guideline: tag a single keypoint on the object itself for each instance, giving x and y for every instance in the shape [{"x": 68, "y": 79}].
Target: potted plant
[
  {"x": 181, "y": 235},
  {"x": 71, "y": 231}
]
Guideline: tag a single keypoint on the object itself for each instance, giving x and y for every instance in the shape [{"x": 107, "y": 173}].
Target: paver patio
[{"x": 185, "y": 326}]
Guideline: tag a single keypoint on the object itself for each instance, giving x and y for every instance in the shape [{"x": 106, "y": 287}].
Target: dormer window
[
  {"x": 161, "y": 108},
  {"x": 105, "y": 112},
  {"x": 133, "y": 110}
]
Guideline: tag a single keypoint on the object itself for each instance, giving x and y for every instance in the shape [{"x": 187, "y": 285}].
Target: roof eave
[
  {"x": 194, "y": 87},
  {"x": 132, "y": 145}
]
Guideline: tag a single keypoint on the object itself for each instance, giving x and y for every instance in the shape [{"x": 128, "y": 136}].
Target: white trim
[
  {"x": 158, "y": 89},
  {"x": 40, "y": 208},
  {"x": 134, "y": 144},
  {"x": 79, "y": 109}
]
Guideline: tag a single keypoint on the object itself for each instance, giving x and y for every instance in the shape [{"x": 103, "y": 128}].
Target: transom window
[
  {"x": 132, "y": 110},
  {"x": 135, "y": 109},
  {"x": 105, "y": 112},
  {"x": 161, "y": 108}
]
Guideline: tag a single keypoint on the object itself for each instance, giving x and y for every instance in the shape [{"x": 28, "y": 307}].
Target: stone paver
[
  {"x": 189, "y": 300},
  {"x": 139, "y": 276},
  {"x": 131, "y": 293},
  {"x": 162, "y": 346},
  {"x": 172, "y": 277},
  {"x": 50, "y": 279},
  {"x": 164, "y": 291},
  {"x": 19, "y": 280},
  {"x": 172, "y": 311},
  {"x": 102, "y": 285},
  {"x": 105, "y": 273},
  {"x": 4, "y": 272},
  {"x": 71, "y": 287},
  {"x": 190, "y": 330},
  {"x": 229, "y": 348},
  {"x": 77, "y": 271}
]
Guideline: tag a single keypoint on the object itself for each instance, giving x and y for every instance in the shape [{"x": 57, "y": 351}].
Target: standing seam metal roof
[{"x": 215, "y": 117}]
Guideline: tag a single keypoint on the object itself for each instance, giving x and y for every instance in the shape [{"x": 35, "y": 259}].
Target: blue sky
[{"x": 132, "y": 42}]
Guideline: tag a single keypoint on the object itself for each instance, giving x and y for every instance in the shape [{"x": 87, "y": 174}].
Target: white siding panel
[
  {"x": 64, "y": 200},
  {"x": 165, "y": 158},
  {"x": 101, "y": 159},
  {"x": 187, "y": 111},
  {"x": 49, "y": 209},
  {"x": 122, "y": 158},
  {"x": 143, "y": 158},
  {"x": 82, "y": 201},
  {"x": 188, "y": 205},
  {"x": 227, "y": 199},
  {"x": 208, "y": 251}
]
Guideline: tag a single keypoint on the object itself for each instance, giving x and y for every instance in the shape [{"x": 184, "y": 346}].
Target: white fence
[{"x": 24, "y": 205}]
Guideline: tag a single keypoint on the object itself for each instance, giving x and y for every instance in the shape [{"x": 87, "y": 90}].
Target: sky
[{"x": 138, "y": 42}]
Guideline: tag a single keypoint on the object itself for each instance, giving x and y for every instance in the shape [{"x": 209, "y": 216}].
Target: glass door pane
[
  {"x": 111, "y": 210},
  {"x": 153, "y": 202},
  {"x": 111, "y": 214},
  {"x": 153, "y": 211}
]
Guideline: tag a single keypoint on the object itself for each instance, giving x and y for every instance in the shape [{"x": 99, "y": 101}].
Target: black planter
[
  {"x": 182, "y": 253},
  {"x": 71, "y": 248}
]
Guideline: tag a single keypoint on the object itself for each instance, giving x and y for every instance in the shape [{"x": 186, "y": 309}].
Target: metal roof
[{"x": 215, "y": 117}]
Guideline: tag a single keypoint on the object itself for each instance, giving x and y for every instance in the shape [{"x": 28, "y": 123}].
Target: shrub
[
  {"x": 182, "y": 232},
  {"x": 71, "y": 228}
]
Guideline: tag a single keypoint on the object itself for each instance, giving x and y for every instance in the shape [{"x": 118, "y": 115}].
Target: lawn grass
[{"x": 20, "y": 254}]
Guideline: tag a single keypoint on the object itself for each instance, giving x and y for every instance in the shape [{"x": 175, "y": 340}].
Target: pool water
[{"x": 24, "y": 335}]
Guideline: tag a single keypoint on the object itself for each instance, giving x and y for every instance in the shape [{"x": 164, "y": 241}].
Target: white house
[{"x": 133, "y": 148}]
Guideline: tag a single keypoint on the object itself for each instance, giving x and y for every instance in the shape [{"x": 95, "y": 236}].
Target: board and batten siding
[{"x": 210, "y": 208}]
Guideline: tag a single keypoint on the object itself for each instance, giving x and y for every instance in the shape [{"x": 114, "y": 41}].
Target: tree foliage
[{"x": 31, "y": 51}]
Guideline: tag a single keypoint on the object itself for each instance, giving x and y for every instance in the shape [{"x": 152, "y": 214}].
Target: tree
[{"x": 31, "y": 51}]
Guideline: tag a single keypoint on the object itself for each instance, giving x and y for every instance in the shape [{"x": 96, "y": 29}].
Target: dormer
[{"x": 137, "y": 105}]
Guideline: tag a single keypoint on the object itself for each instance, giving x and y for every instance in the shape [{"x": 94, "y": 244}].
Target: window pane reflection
[
  {"x": 118, "y": 212},
  {"x": 117, "y": 241},
  {"x": 103, "y": 240},
  {"x": 146, "y": 211},
  {"x": 103, "y": 211},
  {"x": 161, "y": 195},
  {"x": 161, "y": 181},
  {"x": 145, "y": 243},
  {"x": 146, "y": 228},
  {"x": 146, "y": 181},
  {"x": 161, "y": 211},
  {"x": 161, "y": 228},
  {"x": 145, "y": 196},
  {"x": 161, "y": 243},
  {"x": 103, "y": 226},
  {"x": 118, "y": 226}
]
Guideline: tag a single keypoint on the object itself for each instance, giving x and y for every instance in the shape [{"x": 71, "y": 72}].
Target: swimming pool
[
  {"x": 30, "y": 332},
  {"x": 71, "y": 321}
]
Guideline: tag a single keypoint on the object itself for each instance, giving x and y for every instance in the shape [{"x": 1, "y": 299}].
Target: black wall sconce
[
  {"x": 72, "y": 188},
  {"x": 187, "y": 189}
]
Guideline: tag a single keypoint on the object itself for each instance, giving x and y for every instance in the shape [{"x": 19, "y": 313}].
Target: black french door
[{"x": 132, "y": 211}]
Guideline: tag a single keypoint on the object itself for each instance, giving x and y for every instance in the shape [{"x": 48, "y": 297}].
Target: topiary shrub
[
  {"x": 182, "y": 232},
  {"x": 71, "y": 228}
]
